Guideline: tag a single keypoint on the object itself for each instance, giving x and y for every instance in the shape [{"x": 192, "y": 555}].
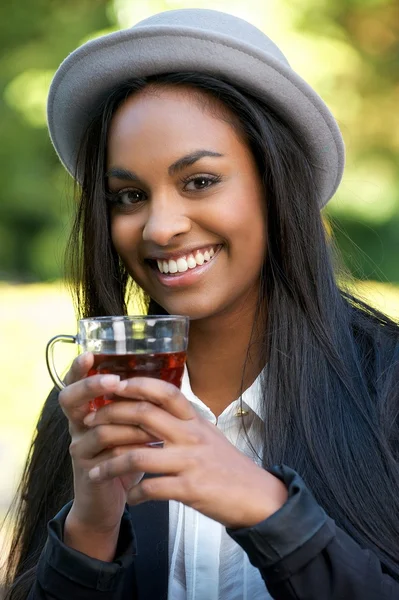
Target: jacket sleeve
[
  {"x": 301, "y": 553},
  {"x": 63, "y": 573}
]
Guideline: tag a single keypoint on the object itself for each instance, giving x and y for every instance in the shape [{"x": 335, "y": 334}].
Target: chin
[{"x": 193, "y": 310}]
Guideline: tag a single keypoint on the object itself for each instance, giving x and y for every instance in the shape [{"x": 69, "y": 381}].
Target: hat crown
[{"x": 216, "y": 22}]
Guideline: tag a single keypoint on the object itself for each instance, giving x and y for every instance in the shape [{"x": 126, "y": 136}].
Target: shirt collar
[{"x": 251, "y": 398}]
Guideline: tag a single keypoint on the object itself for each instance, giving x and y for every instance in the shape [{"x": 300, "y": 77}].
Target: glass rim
[{"x": 135, "y": 318}]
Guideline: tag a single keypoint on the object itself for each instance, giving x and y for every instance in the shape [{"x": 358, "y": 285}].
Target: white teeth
[
  {"x": 199, "y": 258},
  {"x": 191, "y": 262},
  {"x": 181, "y": 265},
  {"x": 172, "y": 266}
]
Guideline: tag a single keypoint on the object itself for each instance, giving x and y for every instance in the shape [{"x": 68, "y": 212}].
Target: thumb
[{"x": 79, "y": 368}]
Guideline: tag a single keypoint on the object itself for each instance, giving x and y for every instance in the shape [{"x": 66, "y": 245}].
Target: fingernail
[
  {"x": 107, "y": 380},
  {"x": 89, "y": 418},
  {"x": 122, "y": 385},
  {"x": 94, "y": 473}
]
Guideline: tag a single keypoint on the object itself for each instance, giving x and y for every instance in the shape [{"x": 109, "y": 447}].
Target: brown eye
[
  {"x": 130, "y": 197},
  {"x": 201, "y": 182}
]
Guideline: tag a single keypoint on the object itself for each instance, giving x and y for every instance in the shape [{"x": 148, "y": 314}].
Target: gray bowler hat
[{"x": 201, "y": 40}]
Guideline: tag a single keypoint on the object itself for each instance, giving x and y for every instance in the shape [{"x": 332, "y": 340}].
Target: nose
[{"x": 165, "y": 221}]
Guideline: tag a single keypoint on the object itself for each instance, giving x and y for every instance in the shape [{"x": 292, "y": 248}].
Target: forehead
[{"x": 165, "y": 115}]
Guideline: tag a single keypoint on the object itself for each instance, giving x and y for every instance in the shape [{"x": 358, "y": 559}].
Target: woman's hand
[
  {"x": 97, "y": 508},
  {"x": 198, "y": 465}
]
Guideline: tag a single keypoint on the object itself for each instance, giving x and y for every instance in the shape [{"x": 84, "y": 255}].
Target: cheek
[
  {"x": 246, "y": 225},
  {"x": 124, "y": 236}
]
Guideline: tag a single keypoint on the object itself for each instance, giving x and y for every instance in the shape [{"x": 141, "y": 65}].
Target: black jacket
[{"x": 299, "y": 551}]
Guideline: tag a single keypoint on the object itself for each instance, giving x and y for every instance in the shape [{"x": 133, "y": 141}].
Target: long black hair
[{"x": 330, "y": 388}]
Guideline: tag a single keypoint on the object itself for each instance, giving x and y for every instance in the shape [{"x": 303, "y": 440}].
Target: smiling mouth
[{"x": 185, "y": 263}]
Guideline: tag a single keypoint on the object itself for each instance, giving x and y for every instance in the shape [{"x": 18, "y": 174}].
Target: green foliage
[
  {"x": 34, "y": 214},
  {"x": 362, "y": 87}
]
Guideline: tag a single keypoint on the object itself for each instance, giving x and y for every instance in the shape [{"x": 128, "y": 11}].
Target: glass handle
[{"x": 69, "y": 339}]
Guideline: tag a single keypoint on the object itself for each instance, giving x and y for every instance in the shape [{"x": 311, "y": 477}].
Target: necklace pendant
[{"x": 241, "y": 412}]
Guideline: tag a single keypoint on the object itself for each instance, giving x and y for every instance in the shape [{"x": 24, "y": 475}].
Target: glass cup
[{"x": 136, "y": 346}]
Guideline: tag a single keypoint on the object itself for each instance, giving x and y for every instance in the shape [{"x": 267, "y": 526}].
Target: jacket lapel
[{"x": 151, "y": 526}]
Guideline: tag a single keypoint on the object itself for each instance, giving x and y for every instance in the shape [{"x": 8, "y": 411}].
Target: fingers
[
  {"x": 79, "y": 368},
  {"x": 75, "y": 398},
  {"x": 151, "y": 418},
  {"x": 105, "y": 437},
  {"x": 149, "y": 460},
  {"x": 158, "y": 488},
  {"x": 161, "y": 393}
]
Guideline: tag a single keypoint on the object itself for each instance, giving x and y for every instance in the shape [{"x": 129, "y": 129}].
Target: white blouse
[{"x": 204, "y": 562}]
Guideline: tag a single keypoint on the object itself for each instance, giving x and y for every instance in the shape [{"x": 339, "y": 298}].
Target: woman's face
[{"x": 187, "y": 204}]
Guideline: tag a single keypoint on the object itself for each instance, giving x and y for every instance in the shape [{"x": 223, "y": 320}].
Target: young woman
[{"x": 203, "y": 162}]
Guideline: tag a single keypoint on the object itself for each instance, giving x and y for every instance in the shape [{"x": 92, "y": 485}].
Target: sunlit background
[{"x": 348, "y": 50}]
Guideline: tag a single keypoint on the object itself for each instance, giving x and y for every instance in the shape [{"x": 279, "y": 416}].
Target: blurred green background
[{"x": 348, "y": 50}]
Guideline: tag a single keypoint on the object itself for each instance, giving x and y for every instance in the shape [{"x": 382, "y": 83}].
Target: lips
[
  {"x": 180, "y": 263},
  {"x": 186, "y": 276},
  {"x": 186, "y": 262}
]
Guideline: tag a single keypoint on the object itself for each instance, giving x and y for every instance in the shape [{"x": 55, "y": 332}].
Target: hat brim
[{"x": 90, "y": 73}]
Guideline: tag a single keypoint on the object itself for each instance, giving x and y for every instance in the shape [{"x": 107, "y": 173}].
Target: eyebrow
[
  {"x": 124, "y": 174},
  {"x": 178, "y": 165},
  {"x": 190, "y": 159}
]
